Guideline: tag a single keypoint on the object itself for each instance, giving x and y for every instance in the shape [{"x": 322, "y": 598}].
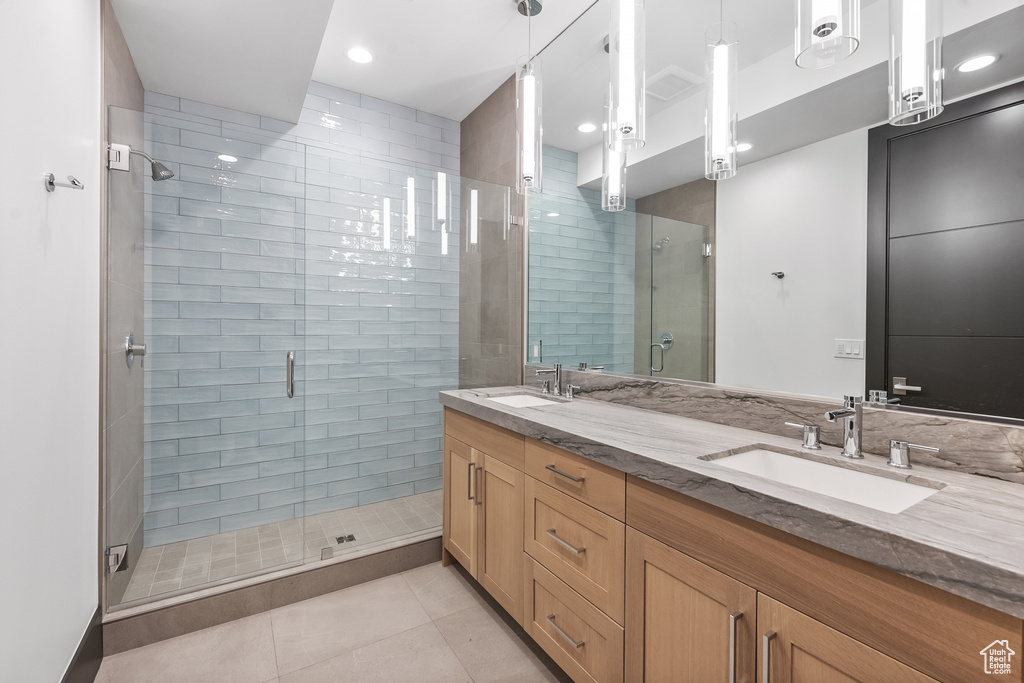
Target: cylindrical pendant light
[
  {"x": 720, "y": 104},
  {"x": 915, "y": 61},
  {"x": 528, "y": 124},
  {"x": 613, "y": 166},
  {"x": 827, "y": 31},
  {"x": 613, "y": 180},
  {"x": 626, "y": 48}
]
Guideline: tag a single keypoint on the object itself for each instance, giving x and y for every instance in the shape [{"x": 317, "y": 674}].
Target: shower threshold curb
[{"x": 153, "y": 622}]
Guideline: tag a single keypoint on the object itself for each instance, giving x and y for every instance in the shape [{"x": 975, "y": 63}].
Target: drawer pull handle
[
  {"x": 733, "y": 618},
  {"x": 575, "y": 643},
  {"x": 564, "y": 544},
  {"x": 552, "y": 468},
  {"x": 766, "y": 648},
  {"x": 469, "y": 481}
]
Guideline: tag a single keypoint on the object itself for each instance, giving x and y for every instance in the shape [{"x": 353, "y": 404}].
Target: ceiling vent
[{"x": 671, "y": 82}]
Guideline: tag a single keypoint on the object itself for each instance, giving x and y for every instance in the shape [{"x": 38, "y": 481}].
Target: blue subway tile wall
[
  {"x": 582, "y": 262},
  {"x": 336, "y": 238}
]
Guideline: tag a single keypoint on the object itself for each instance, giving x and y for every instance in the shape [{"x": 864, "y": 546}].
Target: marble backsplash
[{"x": 977, "y": 447}]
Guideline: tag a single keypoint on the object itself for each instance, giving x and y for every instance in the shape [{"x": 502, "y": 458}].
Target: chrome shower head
[
  {"x": 161, "y": 172},
  {"x": 158, "y": 170}
]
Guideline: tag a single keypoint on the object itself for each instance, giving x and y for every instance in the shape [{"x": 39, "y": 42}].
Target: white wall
[
  {"x": 49, "y": 333},
  {"x": 804, "y": 213}
]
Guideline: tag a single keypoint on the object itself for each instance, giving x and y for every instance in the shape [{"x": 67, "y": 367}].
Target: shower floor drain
[{"x": 346, "y": 539}]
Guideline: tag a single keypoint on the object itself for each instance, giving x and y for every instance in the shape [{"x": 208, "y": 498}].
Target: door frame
[{"x": 876, "y": 373}]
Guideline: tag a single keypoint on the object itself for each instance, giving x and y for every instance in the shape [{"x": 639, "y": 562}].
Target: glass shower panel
[
  {"x": 123, "y": 409},
  {"x": 381, "y": 339},
  {"x": 220, "y": 479},
  {"x": 490, "y": 293},
  {"x": 676, "y": 321}
]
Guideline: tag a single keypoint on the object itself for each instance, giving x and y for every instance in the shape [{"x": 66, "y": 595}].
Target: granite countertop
[{"x": 967, "y": 538}]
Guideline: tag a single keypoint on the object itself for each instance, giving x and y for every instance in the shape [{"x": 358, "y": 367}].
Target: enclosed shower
[{"x": 296, "y": 290}]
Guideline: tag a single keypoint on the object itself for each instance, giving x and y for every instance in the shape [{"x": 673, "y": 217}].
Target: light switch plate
[{"x": 848, "y": 348}]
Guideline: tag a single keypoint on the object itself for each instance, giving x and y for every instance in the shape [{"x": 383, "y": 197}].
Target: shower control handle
[{"x": 131, "y": 349}]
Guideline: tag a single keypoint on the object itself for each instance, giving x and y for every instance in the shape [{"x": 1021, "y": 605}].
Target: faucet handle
[
  {"x": 570, "y": 391},
  {"x": 812, "y": 435},
  {"x": 899, "y": 453},
  {"x": 545, "y": 386}
]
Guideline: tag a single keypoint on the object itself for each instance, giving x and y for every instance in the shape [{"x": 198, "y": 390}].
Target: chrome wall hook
[{"x": 73, "y": 183}]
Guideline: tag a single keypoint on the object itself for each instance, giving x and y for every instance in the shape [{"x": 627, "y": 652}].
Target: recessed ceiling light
[
  {"x": 552, "y": 214},
  {"x": 228, "y": 158},
  {"x": 975, "y": 63},
  {"x": 586, "y": 128},
  {"x": 360, "y": 55},
  {"x": 744, "y": 147}
]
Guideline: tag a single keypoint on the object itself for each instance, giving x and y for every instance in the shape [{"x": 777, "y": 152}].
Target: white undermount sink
[
  {"x": 870, "y": 490},
  {"x": 522, "y": 401}
]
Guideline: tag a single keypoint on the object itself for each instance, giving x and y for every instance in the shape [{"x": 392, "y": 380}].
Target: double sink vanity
[{"x": 640, "y": 546}]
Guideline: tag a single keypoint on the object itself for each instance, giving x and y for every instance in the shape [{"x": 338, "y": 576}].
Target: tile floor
[
  {"x": 165, "y": 569},
  {"x": 425, "y": 625}
]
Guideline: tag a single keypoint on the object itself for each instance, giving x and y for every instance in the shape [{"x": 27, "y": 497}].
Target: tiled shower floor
[{"x": 191, "y": 564}]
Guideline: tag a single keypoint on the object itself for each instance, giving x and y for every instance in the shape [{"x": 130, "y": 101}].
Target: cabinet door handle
[
  {"x": 575, "y": 643},
  {"x": 469, "y": 481},
  {"x": 733, "y": 618},
  {"x": 476, "y": 485},
  {"x": 552, "y": 468},
  {"x": 564, "y": 544},
  {"x": 766, "y": 649}
]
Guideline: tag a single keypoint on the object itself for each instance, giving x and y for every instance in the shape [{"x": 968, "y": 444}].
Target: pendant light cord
[{"x": 529, "y": 30}]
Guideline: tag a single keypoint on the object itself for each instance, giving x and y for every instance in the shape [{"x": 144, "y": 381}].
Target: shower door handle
[
  {"x": 661, "y": 347},
  {"x": 290, "y": 374}
]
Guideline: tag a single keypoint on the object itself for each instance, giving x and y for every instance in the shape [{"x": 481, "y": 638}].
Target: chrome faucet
[
  {"x": 557, "y": 372},
  {"x": 851, "y": 413}
]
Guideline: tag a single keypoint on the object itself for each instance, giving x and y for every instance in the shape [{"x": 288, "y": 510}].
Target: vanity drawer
[
  {"x": 596, "y": 485},
  {"x": 485, "y": 437},
  {"x": 577, "y": 635},
  {"x": 581, "y": 546}
]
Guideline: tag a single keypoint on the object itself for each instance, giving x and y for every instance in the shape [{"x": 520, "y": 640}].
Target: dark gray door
[{"x": 954, "y": 264}]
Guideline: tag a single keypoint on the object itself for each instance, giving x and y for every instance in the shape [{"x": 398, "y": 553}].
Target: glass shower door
[
  {"x": 208, "y": 454},
  {"x": 673, "y": 304}
]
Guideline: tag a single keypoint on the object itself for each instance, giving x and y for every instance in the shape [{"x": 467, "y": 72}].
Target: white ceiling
[
  {"x": 444, "y": 58},
  {"x": 253, "y": 55}
]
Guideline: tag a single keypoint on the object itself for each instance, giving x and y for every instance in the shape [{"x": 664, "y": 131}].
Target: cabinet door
[
  {"x": 802, "y": 650},
  {"x": 461, "y": 503},
  {"x": 679, "y": 623},
  {"x": 500, "y": 534}
]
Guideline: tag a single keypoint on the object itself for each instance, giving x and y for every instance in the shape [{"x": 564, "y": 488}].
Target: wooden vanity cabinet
[
  {"x": 685, "y": 622},
  {"x": 483, "y": 506},
  {"x": 621, "y": 579},
  {"x": 799, "y": 648},
  {"x": 814, "y": 592}
]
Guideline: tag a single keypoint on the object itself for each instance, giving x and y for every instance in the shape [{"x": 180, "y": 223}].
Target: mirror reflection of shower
[{"x": 657, "y": 246}]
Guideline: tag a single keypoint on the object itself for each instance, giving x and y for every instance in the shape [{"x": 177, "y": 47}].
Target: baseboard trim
[
  {"x": 176, "y": 620},
  {"x": 86, "y": 662}
]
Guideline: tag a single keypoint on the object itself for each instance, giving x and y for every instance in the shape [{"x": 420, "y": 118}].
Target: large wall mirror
[{"x": 759, "y": 281}]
